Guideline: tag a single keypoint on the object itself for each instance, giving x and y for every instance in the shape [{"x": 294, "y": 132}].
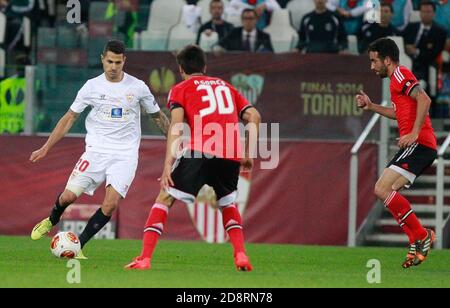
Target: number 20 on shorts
[{"x": 82, "y": 165}]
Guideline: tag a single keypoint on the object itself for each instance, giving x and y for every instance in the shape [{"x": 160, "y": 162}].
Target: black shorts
[
  {"x": 190, "y": 174},
  {"x": 412, "y": 161}
]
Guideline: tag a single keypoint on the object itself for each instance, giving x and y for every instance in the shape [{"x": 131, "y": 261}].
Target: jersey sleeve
[
  {"x": 82, "y": 100},
  {"x": 147, "y": 100},
  {"x": 242, "y": 103},
  {"x": 175, "y": 99},
  {"x": 405, "y": 80}
]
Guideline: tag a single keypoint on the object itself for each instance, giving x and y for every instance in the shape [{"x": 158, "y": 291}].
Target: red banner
[{"x": 303, "y": 201}]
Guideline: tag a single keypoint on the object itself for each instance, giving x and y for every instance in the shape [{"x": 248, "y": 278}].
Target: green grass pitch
[{"x": 24, "y": 263}]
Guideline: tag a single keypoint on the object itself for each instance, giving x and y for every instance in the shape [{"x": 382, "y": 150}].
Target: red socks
[
  {"x": 402, "y": 212},
  {"x": 232, "y": 223},
  {"x": 154, "y": 228}
]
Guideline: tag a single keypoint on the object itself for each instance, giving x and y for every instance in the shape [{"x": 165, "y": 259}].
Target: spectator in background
[
  {"x": 15, "y": 11},
  {"x": 247, "y": 37},
  {"x": 443, "y": 17},
  {"x": 261, "y": 7},
  {"x": 424, "y": 40},
  {"x": 402, "y": 13},
  {"x": 352, "y": 13},
  {"x": 216, "y": 24},
  {"x": 3, "y": 5},
  {"x": 127, "y": 27},
  {"x": 321, "y": 31},
  {"x": 370, "y": 32}
]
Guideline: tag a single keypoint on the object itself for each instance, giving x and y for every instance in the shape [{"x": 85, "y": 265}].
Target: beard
[{"x": 383, "y": 73}]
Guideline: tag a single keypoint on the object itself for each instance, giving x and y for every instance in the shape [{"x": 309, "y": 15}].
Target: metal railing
[
  {"x": 354, "y": 169},
  {"x": 440, "y": 186}
]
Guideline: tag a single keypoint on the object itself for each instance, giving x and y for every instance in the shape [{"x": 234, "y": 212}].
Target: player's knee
[
  {"x": 67, "y": 198},
  {"x": 165, "y": 198},
  {"x": 400, "y": 184},
  {"x": 109, "y": 207},
  {"x": 381, "y": 191}
]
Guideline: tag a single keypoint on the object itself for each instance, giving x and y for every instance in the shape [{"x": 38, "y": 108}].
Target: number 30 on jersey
[{"x": 219, "y": 99}]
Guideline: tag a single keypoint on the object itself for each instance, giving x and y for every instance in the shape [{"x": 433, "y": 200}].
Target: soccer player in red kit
[
  {"x": 210, "y": 107},
  {"x": 417, "y": 144}
]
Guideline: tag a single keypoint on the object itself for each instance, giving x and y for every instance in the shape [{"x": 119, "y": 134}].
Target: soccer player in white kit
[{"x": 112, "y": 141}]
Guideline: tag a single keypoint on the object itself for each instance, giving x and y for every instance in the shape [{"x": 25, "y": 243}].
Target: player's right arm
[
  {"x": 61, "y": 129},
  {"x": 250, "y": 115},
  {"x": 364, "y": 102},
  {"x": 177, "y": 118}
]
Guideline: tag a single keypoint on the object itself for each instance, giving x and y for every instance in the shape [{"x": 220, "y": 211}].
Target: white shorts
[{"x": 93, "y": 169}]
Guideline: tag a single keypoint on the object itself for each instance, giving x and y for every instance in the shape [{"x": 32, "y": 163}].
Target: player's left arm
[
  {"x": 161, "y": 121},
  {"x": 174, "y": 132},
  {"x": 423, "y": 107}
]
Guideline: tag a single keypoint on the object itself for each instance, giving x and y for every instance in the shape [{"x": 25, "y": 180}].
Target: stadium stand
[
  {"x": 283, "y": 36},
  {"x": 180, "y": 36},
  {"x": 298, "y": 9},
  {"x": 163, "y": 16}
]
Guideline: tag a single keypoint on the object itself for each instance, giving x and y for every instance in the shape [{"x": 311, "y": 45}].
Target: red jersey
[
  {"x": 212, "y": 109},
  {"x": 402, "y": 83}
]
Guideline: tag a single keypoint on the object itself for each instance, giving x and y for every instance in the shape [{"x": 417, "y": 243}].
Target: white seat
[
  {"x": 180, "y": 36},
  {"x": 233, "y": 19},
  {"x": 353, "y": 44},
  {"x": 164, "y": 14},
  {"x": 153, "y": 40},
  {"x": 414, "y": 17},
  {"x": 51, "y": 4},
  {"x": 233, "y": 12},
  {"x": 208, "y": 42},
  {"x": 283, "y": 36},
  {"x": 2, "y": 27},
  {"x": 298, "y": 9},
  {"x": 26, "y": 31},
  {"x": 400, "y": 42}
]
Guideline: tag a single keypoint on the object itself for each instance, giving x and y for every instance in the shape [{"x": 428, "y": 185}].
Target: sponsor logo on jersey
[{"x": 116, "y": 113}]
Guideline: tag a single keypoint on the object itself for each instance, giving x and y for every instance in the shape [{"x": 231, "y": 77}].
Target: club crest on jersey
[
  {"x": 116, "y": 113},
  {"x": 129, "y": 97}
]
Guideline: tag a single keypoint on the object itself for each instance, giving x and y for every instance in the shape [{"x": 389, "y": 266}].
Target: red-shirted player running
[
  {"x": 212, "y": 108},
  {"x": 417, "y": 144}
]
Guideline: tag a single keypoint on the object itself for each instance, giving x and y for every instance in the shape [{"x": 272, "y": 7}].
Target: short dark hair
[
  {"x": 249, "y": 10},
  {"x": 389, "y": 5},
  {"x": 214, "y": 1},
  {"x": 385, "y": 48},
  {"x": 192, "y": 59},
  {"x": 115, "y": 46},
  {"x": 427, "y": 2}
]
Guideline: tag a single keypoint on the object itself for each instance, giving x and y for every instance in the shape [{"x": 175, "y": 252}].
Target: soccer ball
[{"x": 65, "y": 245}]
